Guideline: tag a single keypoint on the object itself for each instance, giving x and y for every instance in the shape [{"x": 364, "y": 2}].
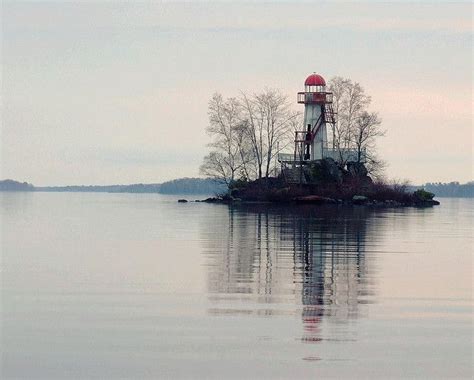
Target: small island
[
  {"x": 333, "y": 158},
  {"x": 325, "y": 182}
]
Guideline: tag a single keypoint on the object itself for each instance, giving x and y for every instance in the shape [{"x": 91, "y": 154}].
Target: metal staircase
[
  {"x": 329, "y": 114},
  {"x": 303, "y": 139}
]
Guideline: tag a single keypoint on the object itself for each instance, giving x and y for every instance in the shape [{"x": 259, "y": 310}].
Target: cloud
[{"x": 367, "y": 16}]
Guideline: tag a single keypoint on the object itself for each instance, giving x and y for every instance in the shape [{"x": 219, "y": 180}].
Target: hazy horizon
[{"x": 112, "y": 93}]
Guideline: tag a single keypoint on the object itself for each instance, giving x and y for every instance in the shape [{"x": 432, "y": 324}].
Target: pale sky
[{"x": 114, "y": 92}]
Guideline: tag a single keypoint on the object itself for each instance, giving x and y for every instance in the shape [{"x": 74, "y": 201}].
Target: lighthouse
[{"x": 312, "y": 143}]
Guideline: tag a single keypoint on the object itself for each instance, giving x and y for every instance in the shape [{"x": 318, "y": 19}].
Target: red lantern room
[{"x": 314, "y": 91}]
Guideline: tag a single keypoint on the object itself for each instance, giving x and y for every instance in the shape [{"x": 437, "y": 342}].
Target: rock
[
  {"x": 182, "y": 201},
  {"x": 426, "y": 203},
  {"x": 295, "y": 175},
  {"x": 392, "y": 203},
  {"x": 333, "y": 169},
  {"x": 366, "y": 181},
  {"x": 315, "y": 199},
  {"x": 323, "y": 171},
  {"x": 211, "y": 200},
  {"x": 357, "y": 169},
  {"x": 359, "y": 199}
]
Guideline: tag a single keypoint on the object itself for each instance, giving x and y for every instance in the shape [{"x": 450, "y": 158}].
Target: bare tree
[
  {"x": 364, "y": 133},
  {"x": 268, "y": 121},
  {"x": 226, "y": 159},
  {"x": 247, "y": 154},
  {"x": 253, "y": 129},
  {"x": 338, "y": 87},
  {"x": 375, "y": 166},
  {"x": 356, "y": 129},
  {"x": 247, "y": 134},
  {"x": 216, "y": 166}
]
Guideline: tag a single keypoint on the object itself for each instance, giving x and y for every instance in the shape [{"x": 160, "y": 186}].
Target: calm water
[{"x": 139, "y": 286}]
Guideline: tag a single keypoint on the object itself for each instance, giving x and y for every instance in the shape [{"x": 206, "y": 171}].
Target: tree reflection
[{"x": 263, "y": 259}]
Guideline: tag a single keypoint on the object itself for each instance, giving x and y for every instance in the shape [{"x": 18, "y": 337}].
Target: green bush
[{"x": 423, "y": 195}]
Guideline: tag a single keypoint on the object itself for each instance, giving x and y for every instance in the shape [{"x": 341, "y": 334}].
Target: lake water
[{"x": 138, "y": 286}]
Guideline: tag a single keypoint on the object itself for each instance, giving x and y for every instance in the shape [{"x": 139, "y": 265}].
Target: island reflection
[{"x": 265, "y": 260}]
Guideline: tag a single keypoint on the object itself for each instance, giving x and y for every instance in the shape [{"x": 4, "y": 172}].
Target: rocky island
[{"x": 325, "y": 182}]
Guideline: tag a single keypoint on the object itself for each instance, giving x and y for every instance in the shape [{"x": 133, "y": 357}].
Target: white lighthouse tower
[{"x": 312, "y": 143}]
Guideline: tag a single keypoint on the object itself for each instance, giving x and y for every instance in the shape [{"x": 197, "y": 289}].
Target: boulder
[
  {"x": 392, "y": 203},
  {"x": 357, "y": 169},
  {"x": 333, "y": 170},
  {"x": 211, "y": 200},
  {"x": 315, "y": 199},
  {"x": 182, "y": 201},
  {"x": 426, "y": 203},
  {"x": 323, "y": 171},
  {"x": 359, "y": 199}
]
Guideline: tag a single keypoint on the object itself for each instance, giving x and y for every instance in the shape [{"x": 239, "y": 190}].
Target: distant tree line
[
  {"x": 11, "y": 185},
  {"x": 193, "y": 186},
  {"x": 177, "y": 186},
  {"x": 135, "y": 188},
  {"x": 451, "y": 189},
  {"x": 210, "y": 186}
]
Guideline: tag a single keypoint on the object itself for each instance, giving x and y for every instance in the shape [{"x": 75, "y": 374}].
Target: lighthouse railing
[
  {"x": 344, "y": 154},
  {"x": 314, "y": 97}
]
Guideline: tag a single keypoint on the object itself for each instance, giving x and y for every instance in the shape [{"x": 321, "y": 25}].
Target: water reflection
[{"x": 282, "y": 260}]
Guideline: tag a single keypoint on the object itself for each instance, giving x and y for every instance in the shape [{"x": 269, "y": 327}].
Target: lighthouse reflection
[{"x": 305, "y": 260}]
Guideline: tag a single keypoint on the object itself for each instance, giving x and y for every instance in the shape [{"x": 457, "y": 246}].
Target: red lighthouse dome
[
  {"x": 314, "y": 91},
  {"x": 315, "y": 80}
]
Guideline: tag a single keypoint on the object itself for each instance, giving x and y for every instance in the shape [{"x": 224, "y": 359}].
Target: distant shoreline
[
  {"x": 177, "y": 186},
  {"x": 206, "y": 186}
]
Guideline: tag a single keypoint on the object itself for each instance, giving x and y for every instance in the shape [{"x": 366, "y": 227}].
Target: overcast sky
[{"x": 109, "y": 92}]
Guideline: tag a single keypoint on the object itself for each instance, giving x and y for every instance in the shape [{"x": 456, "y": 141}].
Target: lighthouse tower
[{"x": 311, "y": 144}]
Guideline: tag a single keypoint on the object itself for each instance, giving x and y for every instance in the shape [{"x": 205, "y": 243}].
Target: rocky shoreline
[{"x": 357, "y": 200}]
